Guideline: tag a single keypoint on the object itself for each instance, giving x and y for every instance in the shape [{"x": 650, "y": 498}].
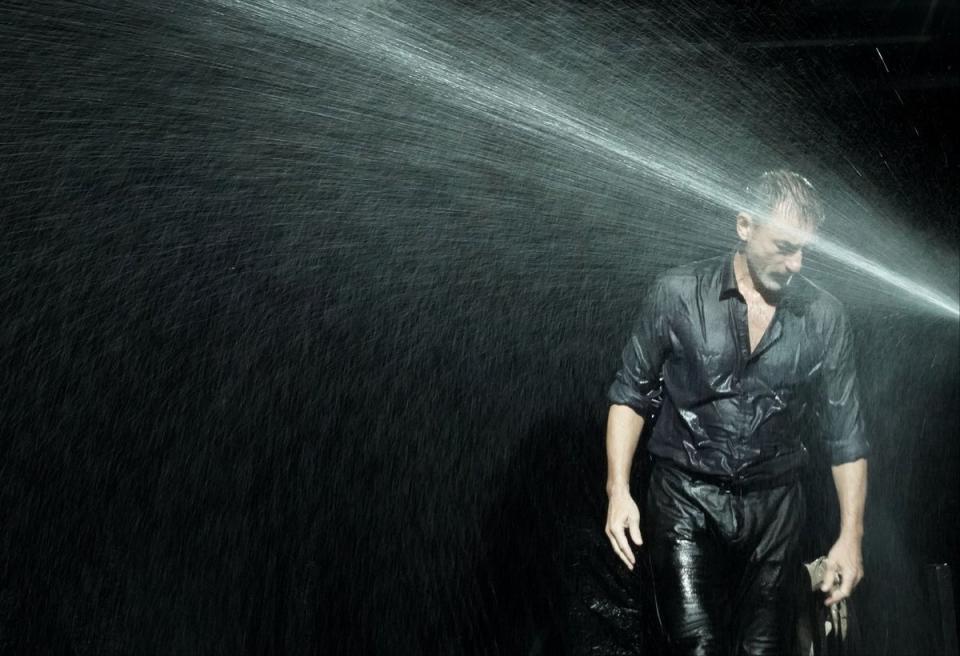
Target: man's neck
[{"x": 749, "y": 289}]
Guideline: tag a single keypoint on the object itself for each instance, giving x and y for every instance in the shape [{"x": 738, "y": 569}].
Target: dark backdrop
[{"x": 240, "y": 414}]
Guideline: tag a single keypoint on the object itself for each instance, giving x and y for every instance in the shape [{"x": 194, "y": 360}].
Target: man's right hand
[{"x": 623, "y": 516}]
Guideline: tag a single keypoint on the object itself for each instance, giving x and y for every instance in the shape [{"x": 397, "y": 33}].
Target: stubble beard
[{"x": 765, "y": 282}]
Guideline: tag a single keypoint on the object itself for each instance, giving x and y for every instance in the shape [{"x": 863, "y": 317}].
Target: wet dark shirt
[{"x": 726, "y": 411}]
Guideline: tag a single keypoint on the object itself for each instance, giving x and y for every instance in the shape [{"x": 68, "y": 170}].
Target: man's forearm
[
  {"x": 850, "y": 480},
  {"x": 623, "y": 434}
]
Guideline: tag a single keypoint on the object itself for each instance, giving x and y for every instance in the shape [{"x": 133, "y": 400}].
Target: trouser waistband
[{"x": 731, "y": 484}]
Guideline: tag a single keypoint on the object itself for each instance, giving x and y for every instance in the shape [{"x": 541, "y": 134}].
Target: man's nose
[{"x": 795, "y": 262}]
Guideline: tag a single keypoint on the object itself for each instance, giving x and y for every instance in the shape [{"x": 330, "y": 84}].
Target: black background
[{"x": 229, "y": 429}]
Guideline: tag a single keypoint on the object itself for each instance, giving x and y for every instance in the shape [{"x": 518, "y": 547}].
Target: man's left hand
[{"x": 843, "y": 569}]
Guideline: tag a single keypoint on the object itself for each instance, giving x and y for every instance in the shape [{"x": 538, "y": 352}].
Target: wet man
[{"x": 747, "y": 352}]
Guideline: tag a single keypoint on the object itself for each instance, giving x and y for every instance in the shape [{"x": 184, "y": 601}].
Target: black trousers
[{"x": 726, "y": 563}]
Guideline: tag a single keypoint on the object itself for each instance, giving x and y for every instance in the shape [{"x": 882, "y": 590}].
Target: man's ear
[{"x": 744, "y": 226}]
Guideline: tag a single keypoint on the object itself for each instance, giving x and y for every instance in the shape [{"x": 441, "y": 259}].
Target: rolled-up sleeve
[
  {"x": 637, "y": 383},
  {"x": 843, "y": 427}
]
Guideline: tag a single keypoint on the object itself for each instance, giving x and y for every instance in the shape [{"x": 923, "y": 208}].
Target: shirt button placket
[{"x": 743, "y": 364}]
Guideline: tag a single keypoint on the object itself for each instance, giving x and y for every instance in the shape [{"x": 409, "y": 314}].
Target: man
[{"x": 741, "y": 351}]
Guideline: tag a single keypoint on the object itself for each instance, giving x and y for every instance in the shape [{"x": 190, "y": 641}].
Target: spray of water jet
[{"x": 476, "y": 79}]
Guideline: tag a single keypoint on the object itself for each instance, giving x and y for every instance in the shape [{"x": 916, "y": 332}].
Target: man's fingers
[
  {"x": 618, "y": 539},
  {"x": 838, "y": 595},
  {"x": 841, "y": 583},
  {"x": 619, "y": 551},
  {"x": 621, "y": 536},
  {"x": 623, "y": 516},
  {"x": 616, "y": 549},
  {"x": 846, "y": 588},
  {"x": 829, "y": 576}
]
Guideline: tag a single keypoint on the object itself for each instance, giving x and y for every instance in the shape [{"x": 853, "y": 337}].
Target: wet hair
[{"x": 782, "y": 188}]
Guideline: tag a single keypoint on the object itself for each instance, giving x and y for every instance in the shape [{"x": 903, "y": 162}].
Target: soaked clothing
[
  {"x": 725, "y": 563},
  {"x": 725, "y": 508},
  {"x": 726, "y": 411}
]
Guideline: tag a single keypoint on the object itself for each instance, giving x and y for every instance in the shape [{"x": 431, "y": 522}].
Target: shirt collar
[
  {"x": 728, "y": 279},
  {"x": 794, "y": 297}
]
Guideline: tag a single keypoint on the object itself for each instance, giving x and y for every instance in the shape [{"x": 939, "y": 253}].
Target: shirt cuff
[
  {"x": 643, "y": 403},
  {"x": 848, "y": 451}
]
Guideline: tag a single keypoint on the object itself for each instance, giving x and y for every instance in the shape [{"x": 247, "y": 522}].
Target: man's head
[{"x": 786, "y": 213}]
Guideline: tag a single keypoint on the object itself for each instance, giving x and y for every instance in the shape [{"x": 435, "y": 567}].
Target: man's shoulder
[
  {"x": 808, "y": 295},
  {"x": 690, "y": 274}
]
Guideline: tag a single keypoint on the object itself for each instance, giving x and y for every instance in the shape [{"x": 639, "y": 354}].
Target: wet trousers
[{"x": 725, "y": 562}]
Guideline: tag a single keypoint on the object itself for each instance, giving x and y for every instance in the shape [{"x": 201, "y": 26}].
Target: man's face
[{"x": 774, "y": 248}]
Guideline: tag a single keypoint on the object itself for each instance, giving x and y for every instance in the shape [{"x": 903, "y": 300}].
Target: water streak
[{"x": 382, "y": 39}]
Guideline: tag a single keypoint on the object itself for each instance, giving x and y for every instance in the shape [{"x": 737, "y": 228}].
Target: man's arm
[
  {"x": 623, "y": 433},
  {"x": 845, "y": 560},
  {"x": 634, "y": 394},
  {"x": 848, "y": 449}
]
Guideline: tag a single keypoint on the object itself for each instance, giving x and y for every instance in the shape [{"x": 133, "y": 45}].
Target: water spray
[{"x": 376, "y": 37}]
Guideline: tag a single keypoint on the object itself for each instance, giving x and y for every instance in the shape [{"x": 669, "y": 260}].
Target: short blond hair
[{"x": 783, "y": 188}]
